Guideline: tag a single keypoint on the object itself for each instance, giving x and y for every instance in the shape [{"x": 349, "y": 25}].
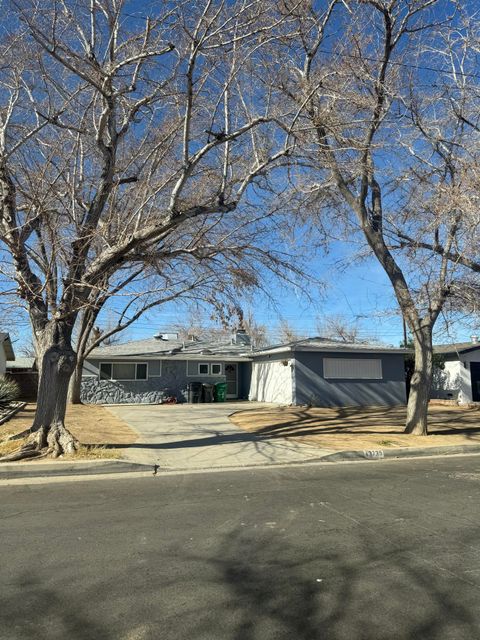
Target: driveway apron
[{"x": 200, "y": 436}]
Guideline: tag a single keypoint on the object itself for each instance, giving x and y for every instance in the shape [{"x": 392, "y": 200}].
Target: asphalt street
[{"x": 356, "y": 551}]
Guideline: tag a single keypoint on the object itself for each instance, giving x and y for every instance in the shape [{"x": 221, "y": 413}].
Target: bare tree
[
  {"x": 361, "y": 84},
  {"x": 116, "y": 132},
  {"x": 336, "y": 327}
]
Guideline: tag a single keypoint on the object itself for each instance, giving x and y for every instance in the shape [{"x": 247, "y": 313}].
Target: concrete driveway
[{"x": 200, "y": 436}]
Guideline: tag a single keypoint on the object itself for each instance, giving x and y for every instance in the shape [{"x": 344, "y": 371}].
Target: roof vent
[
  {"x": 241, "y": 337},
  {"x": 166, "y": 336},
  {"x": 474, "y": 339}
]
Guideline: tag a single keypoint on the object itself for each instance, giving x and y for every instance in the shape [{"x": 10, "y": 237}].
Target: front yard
[
  {"x": 94, "y": 426},
  {"x": 356, "y": 428}
]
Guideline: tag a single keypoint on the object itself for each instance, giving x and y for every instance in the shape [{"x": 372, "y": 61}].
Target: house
[
  {"x": 329, "y": 373},
  {"x": 460, "y": 378},
  {"x": 314, "y": 371},
  {"x": 24, "y": 371},
  {"x": 148, "y": 371},
  {"x": 6, "y": 352}
]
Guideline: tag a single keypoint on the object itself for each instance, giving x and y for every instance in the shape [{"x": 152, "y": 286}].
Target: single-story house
[
  {"x": 149, "y": 371},
  {"x": 329, "y": 373},
  {"x": 6, "y": 352},
  {"x": 314, "y": 371},
  {"x": 460, "y": 378}
]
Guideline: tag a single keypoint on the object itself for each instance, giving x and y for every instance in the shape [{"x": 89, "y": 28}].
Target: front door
[
  {"x": 475, "y": 374},
  {"x": 231, "y": 375}
]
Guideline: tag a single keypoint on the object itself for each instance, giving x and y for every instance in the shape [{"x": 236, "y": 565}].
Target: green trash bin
[{"x": 220, "y": 392}]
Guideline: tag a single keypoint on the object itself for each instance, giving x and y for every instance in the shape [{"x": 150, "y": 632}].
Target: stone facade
[
  {"x": 96, "y": 391},
  {"x": 173, "y": 381}
]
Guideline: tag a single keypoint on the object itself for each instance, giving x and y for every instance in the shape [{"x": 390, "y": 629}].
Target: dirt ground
[
  {"x": 362, "y": 427},
  {"x": 90, "y": 424}
]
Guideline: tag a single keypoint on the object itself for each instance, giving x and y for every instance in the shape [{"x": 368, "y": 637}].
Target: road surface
[{"x": 373, "y": 550}]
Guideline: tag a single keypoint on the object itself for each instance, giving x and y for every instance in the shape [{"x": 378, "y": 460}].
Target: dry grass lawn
[
  {"x": 362, "y": 427},
  {"x": 92, "y": 425}
]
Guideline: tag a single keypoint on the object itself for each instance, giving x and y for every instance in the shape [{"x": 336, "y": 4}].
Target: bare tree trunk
[
  {"x": 58, "y": 363},
  {"x": 75, "y": 387},
  {"x": 417, "y": 407},
  {"x": 57, "y": 359}
]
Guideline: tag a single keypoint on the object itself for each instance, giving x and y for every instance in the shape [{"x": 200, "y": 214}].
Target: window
[
  {"x": 204, "y": 368},
  {"x": 352, "y": 369},
  {"x": 123, "y": 371},
  {"x": 141, "y": 371},
  {"x": 105, "y": 371}
]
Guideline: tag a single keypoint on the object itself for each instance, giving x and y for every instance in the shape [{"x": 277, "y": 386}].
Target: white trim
[{"x": 122, "y": 379}]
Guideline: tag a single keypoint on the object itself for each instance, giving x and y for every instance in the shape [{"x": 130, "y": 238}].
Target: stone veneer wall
[
  {"x": 96, "y": 391},
  {"x": 173, "y": 381}
]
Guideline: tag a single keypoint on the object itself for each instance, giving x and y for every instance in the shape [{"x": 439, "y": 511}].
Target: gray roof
[
  {"x": 173, "y": 349},
  {"x": 21, "y": 363},
  {"x": 456, "y": 347},
  {"x": 329, "y": 345},
  {"x": 7, "y": 345}
]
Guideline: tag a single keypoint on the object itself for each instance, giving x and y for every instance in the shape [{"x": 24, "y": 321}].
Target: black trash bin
[
  {"x": 195, "y": 392},
  {"x": 207, "y": 392}
]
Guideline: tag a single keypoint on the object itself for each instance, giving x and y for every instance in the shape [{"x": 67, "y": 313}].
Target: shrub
[{"x": 9, "y": 392}]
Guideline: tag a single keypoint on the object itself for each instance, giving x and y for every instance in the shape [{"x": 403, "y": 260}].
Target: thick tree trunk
[
  {"x": 74, "y": 390},
  {"x": 420, "y": 384},
  {"x": 57, "y": 363}
]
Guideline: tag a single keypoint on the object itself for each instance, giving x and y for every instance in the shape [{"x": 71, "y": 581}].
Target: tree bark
[
  {"x": 75, "y": 386},
  {"x": 58, "y": 361},
  {"x": 420, "y": 384}
]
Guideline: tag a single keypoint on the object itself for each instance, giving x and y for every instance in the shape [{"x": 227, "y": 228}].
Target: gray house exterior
[
  {"x": 325, "y": 373},
  {"x": 314, "y": 372},
  {"x": 149, "y": 371}
]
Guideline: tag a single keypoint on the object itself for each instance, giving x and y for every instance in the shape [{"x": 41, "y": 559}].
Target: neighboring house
[
  {"x": 24, "y": 371},
  {"x": 460, "y": 379},
  {"x": 327, "y": 373},
  {"x": 6, "y": 352},
  {"x": 148, "y": 371}
]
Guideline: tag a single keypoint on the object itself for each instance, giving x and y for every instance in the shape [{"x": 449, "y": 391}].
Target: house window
[
  {"x": 105, "y": 371},
  {"x": 141, "y": 371},
  {"x": 123, "y": 371},
  {"x": 352, "y": 369},
  {"x": 204, "y": 368}
]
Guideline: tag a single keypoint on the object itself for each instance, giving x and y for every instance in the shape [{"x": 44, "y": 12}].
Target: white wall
[
  {"x": 272, "y": 382},
  {"x": 456, "y": 379}
]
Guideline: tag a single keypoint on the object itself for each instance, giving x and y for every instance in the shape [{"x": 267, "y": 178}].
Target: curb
[
  {"x": 9, "y": 471},
  {"x": 410, "y": 452}
]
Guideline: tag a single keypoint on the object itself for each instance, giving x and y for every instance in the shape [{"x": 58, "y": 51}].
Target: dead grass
[
  {"x": 361, "y": 428},
  {"x": 97, "y": 430}
]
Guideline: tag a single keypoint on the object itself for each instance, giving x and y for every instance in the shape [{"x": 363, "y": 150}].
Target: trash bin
[
  {"x": 194, "y": 392},
  {"x": 207, "y": 392},
  {"x": 220, "y": 392}
]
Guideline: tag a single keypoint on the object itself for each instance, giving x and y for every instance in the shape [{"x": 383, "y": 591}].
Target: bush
[{"x": 9, "y": 392}]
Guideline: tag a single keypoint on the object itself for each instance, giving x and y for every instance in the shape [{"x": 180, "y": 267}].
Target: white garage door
[{"x": 272, "y": 382}]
